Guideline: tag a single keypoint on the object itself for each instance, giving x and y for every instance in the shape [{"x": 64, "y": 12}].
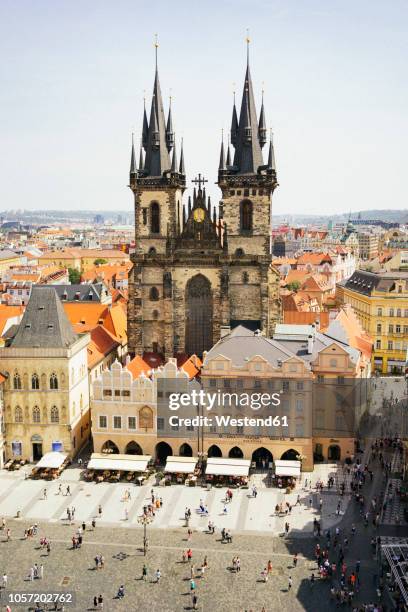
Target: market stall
[
  {"x": 233, "y": 472},
  {"x": 115, "y": 467},
  {"x": 286, "y": 473},
  {"x": 182, "y": 469},
  {"x": 50, "y": 465}
]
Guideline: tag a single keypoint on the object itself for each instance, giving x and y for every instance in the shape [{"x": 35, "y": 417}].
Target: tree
[
  {"x": 293, "y": 286},
  {"x": 74, "y": 276},
  {"x": 100, "y": 261}
]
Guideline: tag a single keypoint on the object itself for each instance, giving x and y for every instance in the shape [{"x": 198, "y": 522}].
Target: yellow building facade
[{"x": 380, "y": 302}]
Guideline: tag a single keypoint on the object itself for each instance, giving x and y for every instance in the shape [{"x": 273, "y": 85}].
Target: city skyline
[{"x": 331, "y": 77}]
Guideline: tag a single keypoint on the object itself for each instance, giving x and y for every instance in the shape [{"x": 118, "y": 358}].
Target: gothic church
[{"x": 199, "y": 270}]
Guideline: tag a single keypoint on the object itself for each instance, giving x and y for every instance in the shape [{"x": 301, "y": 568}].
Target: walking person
[
  {"x": 5, "y": 580},
  {"x": 45, "y": 493},
  {"x": 144, "y": 572},
  {"x": 68, "y": 490},
  {"x": 290, "y": 583},
  {"x": 287, "y": 527},
  {"x": 158, "y": 576}
]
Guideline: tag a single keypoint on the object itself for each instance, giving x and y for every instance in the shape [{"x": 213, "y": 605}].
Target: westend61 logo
[{"x": 194, "y": 400}]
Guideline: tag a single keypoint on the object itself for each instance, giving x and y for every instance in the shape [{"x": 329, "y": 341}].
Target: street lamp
[{"x": 144, "y": 520}]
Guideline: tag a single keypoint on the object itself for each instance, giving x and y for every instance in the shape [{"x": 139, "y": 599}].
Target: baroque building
[{"x": 200, "y": 269}]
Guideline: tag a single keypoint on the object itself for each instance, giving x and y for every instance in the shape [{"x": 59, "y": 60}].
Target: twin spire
[{"x": 248, "y": 137}]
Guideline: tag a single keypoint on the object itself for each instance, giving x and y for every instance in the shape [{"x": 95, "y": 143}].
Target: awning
[
  {"x": 124, "y": 463},
  {"x": 51, "y": 460},
  {"x": 180, "y": 465},
  {"x": 287, "y": 468},
  {"x": 218, "y": 466}
]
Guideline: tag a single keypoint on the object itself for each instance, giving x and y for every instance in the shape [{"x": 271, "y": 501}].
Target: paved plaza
[{"x": 244, "y": 514}]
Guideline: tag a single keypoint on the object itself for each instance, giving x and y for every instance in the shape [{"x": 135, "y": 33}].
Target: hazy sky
[{"x": 336, "y": 94}]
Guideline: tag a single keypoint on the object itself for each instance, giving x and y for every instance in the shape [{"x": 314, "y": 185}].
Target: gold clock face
[{"x": 199, "y": 215}]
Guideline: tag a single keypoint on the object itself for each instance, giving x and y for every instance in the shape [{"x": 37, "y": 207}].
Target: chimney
[
  {"x": 310, "y": 345},
  {"x": 225, "y": 330}
]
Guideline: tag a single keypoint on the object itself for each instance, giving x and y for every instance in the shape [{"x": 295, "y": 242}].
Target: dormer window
[
  {"x": 156, "y": 139},
  {"x": 248, "y": 134}
]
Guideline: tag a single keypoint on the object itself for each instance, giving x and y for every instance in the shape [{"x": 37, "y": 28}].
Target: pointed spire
[
  {"x": 132, "y": 158},
  {"x": 222, "y": 154},
  {"x": 234, "y": 124},
  {"x": 262, "y": 125},
  {"x": 145, "y": 132},
  {"x": 248, "y": 152},
  {"x": 169, "y": 130},
  {"x": 182, "y": 169},
  {"x": 214, "y": 215},
  {"x": 174, "y": 165},
  {"x": 157, "y": 155},
  {"x": 228, "y": 160},
  {"x": 189, "y": 204},
  {"x": 271, "y": 155},
  {"x": 141, "y": 160}
]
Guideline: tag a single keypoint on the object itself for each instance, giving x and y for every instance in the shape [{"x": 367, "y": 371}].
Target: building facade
[
  {"x": 198, "y": 268},
  {"x": 380, "y": 302},
  {"x": 46, "y": 391}
]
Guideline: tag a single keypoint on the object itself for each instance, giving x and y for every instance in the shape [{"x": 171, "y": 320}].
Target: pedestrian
[
  {"x": 31, "y": 574},
  {"x": 45, "y": 493},
  {"x": 5, "y": 579},
  {"x": 269, "y": 567},
  {"x": 100, "y": 510},
  {"x": 158, "y": 576},
  {"x": 8, "y": 534},
  {"x": 264, "y": 574},
  {"x": 144, "y": 572},
  {"x": 312, "y": 580},
  {"x": 290, "y": 583},
  {"x": 95, "y": 602},
  {"x": 60, "y": 489},
  {"x": 192, "y": 585},
  {"x": 121, "y": 592},
  {"x": 83, "y": 525},
  {"x": 194, "y": 600},
  {"x": 93, "y": 524},
  {"x": 126, "y": 514},
  {"x": 287, "y": 527},
  {"x": 48, "y": 548},
  {"x": 310, "y": 503},
  {"x": 100, "y": 602},
  {"x": 41, "y": 571},
  {"x": 295, "y": 560},
  {"x": 3, "y": 523},
  {"x": 68, "y": 490}
]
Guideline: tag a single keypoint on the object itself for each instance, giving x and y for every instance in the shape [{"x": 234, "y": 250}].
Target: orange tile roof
[
  {"x": 316, "y": 283},
  {"x": 138, "y": 366},
  {"x": 115, "y": 321},
  {"x": 314, "y": 258},
  {"x": 306, "y": 318},
  {"x": 102, "y": 343},
  {"x": 296, "y": 276},
  {"x": 2, "y": 378},
  {"x": 91, "y": 313},
  {"x": 7, "y": 312}
]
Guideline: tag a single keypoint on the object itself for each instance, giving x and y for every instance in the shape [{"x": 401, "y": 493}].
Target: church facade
[{"x": 199, "y": 270}]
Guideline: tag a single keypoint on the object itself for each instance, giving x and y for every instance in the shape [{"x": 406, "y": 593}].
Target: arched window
[
  {"x": 152, "y": 251},
  {"x": 53, "y": 381},
  {"x": 54, "y": 414},
  {"x": 17, "y": 381},
  {"x": 239, "y": 252},
  {"x": 154, "y": 294},
  {"x": 36, "y": 415},
  {"x": 35, "y": 381},
  {"x": 246, "y": 215},
  {"x": 155, "y": 314},
  {"x": 18, "y": 414},
  {"x": 154, "y": 218}
]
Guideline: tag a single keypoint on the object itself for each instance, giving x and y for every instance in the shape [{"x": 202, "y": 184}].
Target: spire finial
[
  {"x": 156, "y": 46},
  {"x": 248, "y": 40}
]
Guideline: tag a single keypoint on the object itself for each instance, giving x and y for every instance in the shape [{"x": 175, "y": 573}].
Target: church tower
[
  {"x": 247, "y": 185},
  {"x": 157, "y": 182},
  {"x": 199, "y": 269}
]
